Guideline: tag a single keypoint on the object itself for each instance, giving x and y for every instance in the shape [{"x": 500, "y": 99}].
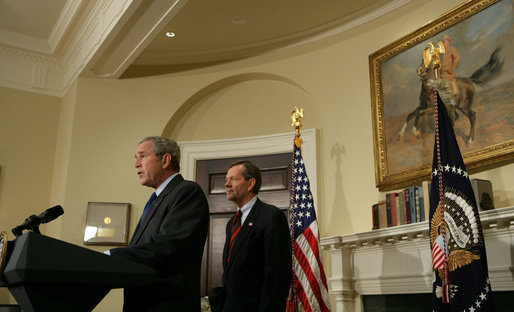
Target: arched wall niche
[
  {"x": 242, "y": 105},
  {"x": 255, "y": 122}
]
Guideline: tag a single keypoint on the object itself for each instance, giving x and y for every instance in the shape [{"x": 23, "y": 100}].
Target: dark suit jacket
[
  {"x": 258, "y": 276},
  {"x": 171, "y": 240}
]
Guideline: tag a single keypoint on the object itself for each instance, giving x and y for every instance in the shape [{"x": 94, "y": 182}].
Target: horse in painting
[{"x": 461, "y": 102}]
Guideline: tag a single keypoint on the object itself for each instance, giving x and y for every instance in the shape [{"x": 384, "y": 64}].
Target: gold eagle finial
[
  {"x": 296, "y": 119},
  {"x": 296, "y": 122},
  {"x": 431, "y": 55}
]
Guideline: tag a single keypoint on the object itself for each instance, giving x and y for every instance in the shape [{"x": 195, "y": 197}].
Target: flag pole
[
  {"x": 296, "y": 122},
  {"x": 431, "y": 56},
  {"x": 309, "y": 288}
]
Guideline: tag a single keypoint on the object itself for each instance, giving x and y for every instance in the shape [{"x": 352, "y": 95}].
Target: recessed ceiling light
[
  {"x": 238, "y": 21},
  {"x": 170, "y": 34}
]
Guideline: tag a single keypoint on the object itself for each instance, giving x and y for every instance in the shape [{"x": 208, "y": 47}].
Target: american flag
[
  {"x": 461, "y": 277},
  {"x": 309, "y": 291}
]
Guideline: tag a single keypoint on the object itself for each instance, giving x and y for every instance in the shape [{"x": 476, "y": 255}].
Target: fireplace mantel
[{"x": 397, "y": 260}]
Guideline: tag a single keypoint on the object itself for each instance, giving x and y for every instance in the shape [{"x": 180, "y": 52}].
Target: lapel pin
[{"x": 250, "y": 224}]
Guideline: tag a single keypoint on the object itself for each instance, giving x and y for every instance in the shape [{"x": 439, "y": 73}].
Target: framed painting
[
  {"x": 480, "y": 69},
  {"x": 107, "y": 223}
]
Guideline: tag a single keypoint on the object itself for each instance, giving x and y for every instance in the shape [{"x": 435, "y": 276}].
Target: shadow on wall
[{"x": 339, "y": 207}]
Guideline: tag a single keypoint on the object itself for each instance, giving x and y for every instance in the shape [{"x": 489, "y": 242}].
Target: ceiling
[{"x": 127, "y": 38}]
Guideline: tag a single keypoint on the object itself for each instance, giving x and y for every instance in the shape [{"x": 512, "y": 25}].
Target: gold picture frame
[
  {"x": 477, "y": 29},
  {"x": 107, "y": 223},
  {"x": 4, "y": 242}
]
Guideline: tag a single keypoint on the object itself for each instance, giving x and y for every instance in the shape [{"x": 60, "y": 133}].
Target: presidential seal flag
[
  {"x": 456, "y": 237},
  {"x": 309, "y": 291}
]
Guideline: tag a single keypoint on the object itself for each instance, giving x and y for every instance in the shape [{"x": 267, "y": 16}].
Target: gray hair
[{"x": 162, "y": 145}]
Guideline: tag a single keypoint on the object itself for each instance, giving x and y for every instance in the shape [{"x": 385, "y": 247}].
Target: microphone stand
[{"x": 33, "y": 222}]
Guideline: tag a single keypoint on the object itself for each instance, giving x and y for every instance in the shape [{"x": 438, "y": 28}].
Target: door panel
[{"x": 210, "y": 174}]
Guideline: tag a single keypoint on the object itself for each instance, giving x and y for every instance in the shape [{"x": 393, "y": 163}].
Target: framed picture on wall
[
  {"x": 481, "y": 36},
  {"x": 107, "y": 223}
]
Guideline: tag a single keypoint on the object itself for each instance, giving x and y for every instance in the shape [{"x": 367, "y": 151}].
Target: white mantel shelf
[{"x": 397, "y": 260}]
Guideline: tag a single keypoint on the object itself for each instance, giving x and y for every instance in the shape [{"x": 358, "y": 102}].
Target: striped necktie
[{"x": 236, "y": 227}]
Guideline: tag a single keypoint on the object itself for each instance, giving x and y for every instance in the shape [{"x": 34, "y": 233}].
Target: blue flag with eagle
[{"x": 456, "y": 236}]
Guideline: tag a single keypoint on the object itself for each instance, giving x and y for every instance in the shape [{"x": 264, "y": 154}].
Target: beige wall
[
  {"x": 28, "y": 130},
  {"x": 101, "y": 121}
]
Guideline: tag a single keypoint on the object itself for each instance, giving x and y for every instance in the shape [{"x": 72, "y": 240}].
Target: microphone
[
  {"x": 33, "y": 222},
  {"x": 51, "y": 214}
]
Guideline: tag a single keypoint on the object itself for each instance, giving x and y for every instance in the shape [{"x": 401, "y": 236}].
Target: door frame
[{"x": 251, "y": 146}]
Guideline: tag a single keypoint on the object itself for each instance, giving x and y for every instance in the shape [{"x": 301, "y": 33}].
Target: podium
[{"x": 46, "y": 274}]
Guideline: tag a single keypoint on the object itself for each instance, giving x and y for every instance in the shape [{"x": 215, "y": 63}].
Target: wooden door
[{"x": 210, "y": 174}]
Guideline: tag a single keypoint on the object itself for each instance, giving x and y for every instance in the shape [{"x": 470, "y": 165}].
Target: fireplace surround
[{"x": 396, "y": 260}]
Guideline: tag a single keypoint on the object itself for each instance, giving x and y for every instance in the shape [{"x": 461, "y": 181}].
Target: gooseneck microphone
[{"x": 32, "y": 223}]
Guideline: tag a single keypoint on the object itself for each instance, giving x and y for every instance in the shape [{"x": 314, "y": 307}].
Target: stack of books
[{"x": 412, "y": 204}]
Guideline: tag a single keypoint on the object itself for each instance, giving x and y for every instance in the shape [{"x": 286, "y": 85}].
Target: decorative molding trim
[
  {"x": 28, "y": 57},
  {"x": 397, "y": 260},
  {"x": 250, "y": 146},
  {"x": 39, "y": 76},
  {"x": 23, "y": 41},
  {"x": 382, "y": 10},
  {"x": 136, "y": 38},
  {"x": 274, "y": 44},
  {"x": 93, "y": 26},
  {"x": 29, "y": 71},
  {"x": 68, "y": 13},
  {"x": 100, "y": 22}
]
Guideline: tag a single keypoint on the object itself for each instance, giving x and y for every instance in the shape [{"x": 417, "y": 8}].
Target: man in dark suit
[
  {"x": 257, "y": 252},
  {"x": 171, "y": 234}
]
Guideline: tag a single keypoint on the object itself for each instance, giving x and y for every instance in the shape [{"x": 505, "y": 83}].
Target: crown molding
[
  {"x": 85, "y": 32},
  {"x": 23, "y": 41},
  {"x": 30, "y": 71},
  {"x": 68, "y": 13},
  {"x": 102, "y": 38},
  {"x": 102, "y": 24},
  {"x": 134, "y": 38},
  {"x": 374, "y": 14},
  {"x": 276, "y": 44}
]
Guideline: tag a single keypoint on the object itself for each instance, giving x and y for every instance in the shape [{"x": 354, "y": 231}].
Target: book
[
  {"x": 397, "y": 205},
  {"x": 388, "y": 209},
  {"x": 483, "y": 190},
  {"x": 421, "y": 204},
  {"x": 392, "y": 210},
  {"x": 406, "y": 194},
  {"x": 401, "y": 208},
  {"x": 375, "y": 217},
  {"x": 382, "y": 214},
  {"x": 417, "y": 202},
  {"x": 426, "y": 198},
  {"x": 412, "y": 206}
]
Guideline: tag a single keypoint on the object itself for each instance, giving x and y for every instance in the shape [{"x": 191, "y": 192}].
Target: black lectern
[{"x": 46, "y": 274}]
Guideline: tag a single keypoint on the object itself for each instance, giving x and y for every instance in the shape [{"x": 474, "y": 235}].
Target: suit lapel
[
  {"x": 246, "y": 229},
  {"x": 141, "y": 227}
]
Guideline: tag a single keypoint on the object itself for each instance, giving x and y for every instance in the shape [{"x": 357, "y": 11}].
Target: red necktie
[{"x": 236, "y": 226}]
